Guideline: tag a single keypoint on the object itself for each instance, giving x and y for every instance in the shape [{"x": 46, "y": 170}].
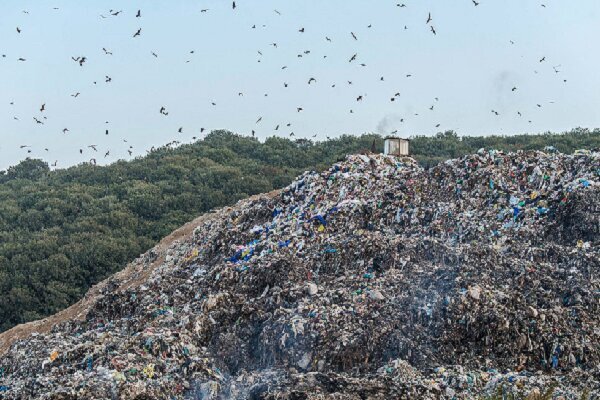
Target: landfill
[{"x": 375, "y": 279}]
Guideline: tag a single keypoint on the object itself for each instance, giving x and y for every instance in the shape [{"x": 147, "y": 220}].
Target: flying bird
[
  {"x": 353, "y": 35},
  {"x": 139, "y": 14},
  {"x": 233, "y": 5},
  {"x": 138, "y": 33},
  {"x": 428, "y": 19},
  {"x": 433, "y": 30},
  {"x": 79, "y": 60}
]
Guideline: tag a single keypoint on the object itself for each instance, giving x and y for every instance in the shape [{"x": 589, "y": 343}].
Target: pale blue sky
[{"x": 470, "y": 66}]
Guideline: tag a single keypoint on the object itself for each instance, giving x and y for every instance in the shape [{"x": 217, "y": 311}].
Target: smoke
[
  {"x": 503, "y": 83},
  {"x": 389, "y": 123}
]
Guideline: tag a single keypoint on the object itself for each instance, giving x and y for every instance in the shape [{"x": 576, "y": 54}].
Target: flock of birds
[{"x": 82, "y": 61}]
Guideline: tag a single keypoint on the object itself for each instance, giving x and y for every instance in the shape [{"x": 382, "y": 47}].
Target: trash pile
[{"x": 375, "y": 279}]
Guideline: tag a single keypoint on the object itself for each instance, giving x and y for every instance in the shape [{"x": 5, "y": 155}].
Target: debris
[{"x": 374, "y": 279}]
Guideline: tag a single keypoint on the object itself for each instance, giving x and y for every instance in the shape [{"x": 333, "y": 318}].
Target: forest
[{"x": 62, "y": 231}]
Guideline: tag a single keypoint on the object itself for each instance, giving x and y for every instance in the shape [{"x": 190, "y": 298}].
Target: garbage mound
[{"x": 375, "y": 279}]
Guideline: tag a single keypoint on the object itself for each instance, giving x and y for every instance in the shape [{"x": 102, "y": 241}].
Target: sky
[{"x": 470, "y": 67}]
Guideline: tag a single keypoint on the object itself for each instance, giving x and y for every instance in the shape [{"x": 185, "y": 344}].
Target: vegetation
[{"x": 63, "y": 231}]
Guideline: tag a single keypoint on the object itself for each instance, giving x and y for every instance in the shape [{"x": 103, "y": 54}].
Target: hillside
[
  {"x": 63, "y": 231},
  {"x": 373, "y": 279}
]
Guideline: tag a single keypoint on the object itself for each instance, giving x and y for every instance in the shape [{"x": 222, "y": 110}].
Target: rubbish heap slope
[{"x": 374, "y": 279}]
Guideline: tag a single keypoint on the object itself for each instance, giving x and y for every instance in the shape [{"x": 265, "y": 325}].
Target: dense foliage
[{"x": 63, "y": 231}]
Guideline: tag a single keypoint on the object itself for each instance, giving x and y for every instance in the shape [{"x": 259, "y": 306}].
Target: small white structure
[{"x": 395, "y": 146}]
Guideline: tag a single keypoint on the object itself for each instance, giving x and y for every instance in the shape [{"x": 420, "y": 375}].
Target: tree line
[{"x": 63, "y": 231}]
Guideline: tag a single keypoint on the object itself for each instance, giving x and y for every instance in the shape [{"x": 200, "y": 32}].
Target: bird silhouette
[
  {"x": 81, "y": 60},
  {"x": 43, "y": 107},
  {"x": 18, "y": 30},
  {"x": 138, "y": 33},
  {"x": 139, "y": 14},
  {"x": 433, "y": 30},
  {"x": 233, "y": 5},
  {"x": 353, "y": 35},
  {"x": 475, "y": 3},
  {"x": 429, "y": 19}
]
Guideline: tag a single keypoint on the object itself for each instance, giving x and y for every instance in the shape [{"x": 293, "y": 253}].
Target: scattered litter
[{"x": 374, "y": 279}]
